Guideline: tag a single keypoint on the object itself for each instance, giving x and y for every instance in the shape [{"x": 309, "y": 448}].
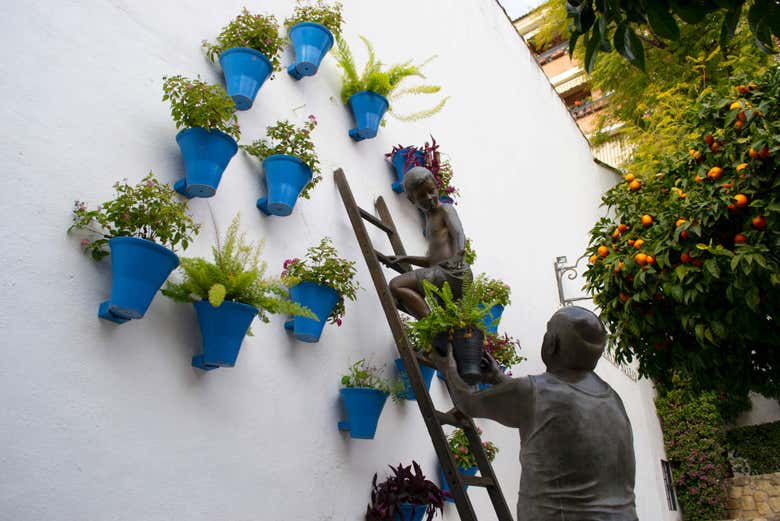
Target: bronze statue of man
[
  {"x": 577, "y": 450},
  {"x": 446, "y": 247}
]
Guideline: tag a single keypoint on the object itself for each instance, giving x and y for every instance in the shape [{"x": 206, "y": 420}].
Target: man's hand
[
  {"x": 491, "y": 371},
  {"x": 446, "y": 362}
]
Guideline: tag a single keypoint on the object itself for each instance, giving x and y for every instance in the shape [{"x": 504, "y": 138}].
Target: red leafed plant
[
  {"x": 404, "y": 486},
  {"x": 431, "y": 159}
]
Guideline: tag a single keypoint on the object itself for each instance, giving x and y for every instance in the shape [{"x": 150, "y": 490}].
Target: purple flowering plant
[
  {"x": 148, "y": 210},
  {"x": 195, "y": 103},
  {"x": 504, "y": 349},
  {"x": 255, "y": 31}
]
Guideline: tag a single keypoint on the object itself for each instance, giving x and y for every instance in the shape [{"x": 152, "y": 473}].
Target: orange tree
[{"x": 686, "y": 269}]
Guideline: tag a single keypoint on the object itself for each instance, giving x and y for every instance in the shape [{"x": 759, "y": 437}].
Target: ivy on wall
[{"x": 759, "y": 445}]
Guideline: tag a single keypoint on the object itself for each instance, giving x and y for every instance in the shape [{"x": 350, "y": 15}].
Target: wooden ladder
[{"x": 433, "y": 419}]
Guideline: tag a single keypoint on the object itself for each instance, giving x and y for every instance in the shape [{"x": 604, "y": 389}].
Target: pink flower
[
  {"x": 306, "y": 132},
  {"x": 312, "y": 117},
  {"x": 290, "y": 262},
  {"x": 126, "y": 217},
  {"x": 338, "y": 322},
  {"x": 463, "y": 450},
  {"x": 150, "y": 183},
  {"x": 84, "y": 243}
]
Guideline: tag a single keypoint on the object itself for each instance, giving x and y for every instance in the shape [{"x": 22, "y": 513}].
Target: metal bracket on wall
[{"x": 571, "y": 273}]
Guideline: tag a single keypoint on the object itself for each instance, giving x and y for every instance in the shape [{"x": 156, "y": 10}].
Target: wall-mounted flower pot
[
  {"x": 223, "y": 329},
  {"x": 400, "y": 159},
  {"x": 491, "y": 321},
  {"x": 245, "y": 72},
  {"x": 471, "y": 471},
  {"x": 364, "y": 406},
  {"x": 320, "y": 300},
  {"x": 206, "y": 154},
  {"x": 410, "y": 512},
  {"x": 427, "y": 374},
  {"x": 467, "y": 349},
  {"x": 367, "y": 108},
  {"x": 311, "y": 42},
  {"x": 138, "y": 270},
  {"x": 285, "y": 177}
]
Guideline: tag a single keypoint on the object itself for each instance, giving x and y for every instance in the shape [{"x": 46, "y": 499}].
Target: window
[{"x": 671, "y": 499}]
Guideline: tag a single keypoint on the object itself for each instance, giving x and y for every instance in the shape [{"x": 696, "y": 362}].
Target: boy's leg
[{"x": 406, "y": 291}]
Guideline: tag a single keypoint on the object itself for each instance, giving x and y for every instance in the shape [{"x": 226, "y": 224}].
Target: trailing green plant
[
  {"x": 383, "y": 81},
  {"x": 195, "y": 103},
  {"x": 429, "y": 157},
  {"x": 255, "y": 31},
  {"x": 363, "y": 374},
  {"x": 287, "y": 139},
  {"x": 322, "y": 265},
  {"x": 493, "y": 290},
  {"x": 236, "y": 275},
  {"x": 404, "y": 486},
  {"x": 149, "y": 210},
  {"x": 470, "y": 254},
  {"x": 319, "y": 12},
  {"x": 461, "y": 451},
  {"x": 413, "y": 336},
  {"x": 758, "y": 444},
  {"x": 504, "y": 349},
  {"x": 694, "y": 437}
]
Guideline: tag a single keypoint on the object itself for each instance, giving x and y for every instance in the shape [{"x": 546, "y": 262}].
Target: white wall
[{"x": 105, "y": 422}]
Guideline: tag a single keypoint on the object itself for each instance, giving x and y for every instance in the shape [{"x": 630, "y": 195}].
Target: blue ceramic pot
[
  {"x": 310, "y": 42},
  {"x": 427, "y": 374},
  {"x": 138, "y": 270},
  {"x": 206, "y": 154},
  {"x": 320, "y": 300},
  {"x": 367, "y": 108},
  {"x": 410, "y": 512},
  {"x": 285, "y": 177},
  {"x": 491, "y": 321},
  {"x": 471, "y": 471},
  {"x": 364, "y": 406},
  {"x": 400, "y": 160},
  {"x": 223, "y": 329},
  {"x": 245, "y": 72}
]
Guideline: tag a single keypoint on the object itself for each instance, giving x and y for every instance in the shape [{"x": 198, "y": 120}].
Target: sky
[{"x": 517, "y": 8}]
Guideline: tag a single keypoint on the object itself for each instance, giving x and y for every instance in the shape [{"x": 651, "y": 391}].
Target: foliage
[
  {"x": 554, "y": 26},
  {"x": 759, "y": 445},
  {"x": 235, "y": 275},
  {"x": 470, "y": 254},
  {"x": 385, "y": 82},
  {"x": 694, "y": 289},
  {"x": 504, "y": 349},
  {"x": 413, "y": 336},
  {"x": 255, "y": 31},
  {"x": 431, "y": 159},
  {"x": 285, "y": 138},
  {"x": 694, "y": 439},
  {"x": 322, "y": 265},
  {"x": 492, "y": 290},
  {"x": 404, "y": 486},
  {"x": 612, "y": 25},
  {"x": 447, "y": 313},
  {"x": 459, "y": 447},
  {"x": 195, "y": 103},
  {"x": 363, "y": 374},
  {"x": 149, "y": 210},
  {"x": 320, "y": 13}
]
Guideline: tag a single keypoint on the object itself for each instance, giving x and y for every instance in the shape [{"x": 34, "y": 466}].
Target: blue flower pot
[
  {"x": 285, "y": 177},
  {"x": 427, "y": 374},
  {"x": 138, "y": 270},
  {"x": 410, "y": 512},
  {"x": 367, "y": 108},
  {"x": 320, "y": 300},
  {"x": 399, "y": 161},
  {"x": 223, "y": 329},
  {"x": 245, "y": 72},
  {"x": 491, "y": 321},
  {"x": 206, "y": 154},
  {"x": 471, "y": 471},
  {"x": 310, "y": 42},
  {"x": 364, "y": 406}
]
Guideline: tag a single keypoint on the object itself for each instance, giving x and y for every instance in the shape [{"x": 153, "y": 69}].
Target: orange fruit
[
  {"x": 741, "y": 200},
  {"x": 634, "y": 185},
  {"x": 647, "y": 220},
  {"x": 629, "y": 177},
  {"x": 680, "y": 222},
  {"x": 593, "y": 259},
  {"x": 740, "y": 238},
  {"x": 727, "y": 185},
  {"x": 685, "y": 257},
  {"x": 709, "y": 139},
  {"x": 619, "y": 267},
  {"x": 752, "y": 153},
  {"x": 741, "y": 116},
  {"x": 603, "y": 251},
  {"x": 743, "y": 89},
  {"x": 623, "y": 297},
  {"x": 735, "y": 105},
  {"x": 759, "y": 222},
  {"x": 683, "y": 195},
  {"x": 684, "y": 234},
  {"x": 638, "y": 243},
  {"x": 650, "y": 259},
  {"x": 738, "y": 124},
  {"x": 715, "y": 172},
  {"x": 731, "y": 207},
  {"x": 631, "y": 242},
  {"x": 640, "y": 259},
  {"x": 698, "y": 179},
  {"x": 616, "y": 234},
  {"x": 764, "y": 152},
  {"x": 622, "y": 227},
  {"x": 741, "y": 167},
  {"x": 697, "y": 262}
]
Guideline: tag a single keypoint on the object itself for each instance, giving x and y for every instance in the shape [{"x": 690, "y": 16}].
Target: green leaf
[
  {"x": 592, "y": 48},
  {"x": 629, "y": 46},
  {"x": 690, "y": 13},
  {"x": 573, "y": 42},
  {"x": 217, "y": 294},
  {"x": 729, "y": 27},
  {"x": 711, "y": 265},
  {"x": 759, "y": 25},
  {"x": 752, "y": 298},
  {"x": 661, "y": 21}
]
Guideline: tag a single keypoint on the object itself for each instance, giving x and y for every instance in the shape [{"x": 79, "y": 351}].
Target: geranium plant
[
  {"x": 149, "y": 210},
  {"x": 363, "y": 374},
  {"x": 504, "y": 349},
  {"x": 383, "y": 81},
  {"x": 254, "y": 31},
  {"x": 429, "y": 157},
  {"x": 407, "y": 484},
  {"x": 286, "y": 138},
  {"x": 323, "y": 265},
  {"x": 320, "y": 12},
  {"x": 237, "y": 275},
  {"x": 492, "y": 290},
  {"x": 195, "y": 103},
  {"x": 459, "y": 447}
]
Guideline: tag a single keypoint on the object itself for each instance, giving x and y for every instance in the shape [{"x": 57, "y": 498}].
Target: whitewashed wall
[{"x": 105, "y": 422}]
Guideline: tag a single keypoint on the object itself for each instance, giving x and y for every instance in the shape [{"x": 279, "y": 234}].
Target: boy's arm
[{"x": 457, "y": 236}]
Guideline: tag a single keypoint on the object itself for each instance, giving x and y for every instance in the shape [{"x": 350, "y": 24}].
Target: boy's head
[
  {"x": 420, "y": 188},
  {"x": 575, "y": 339}
]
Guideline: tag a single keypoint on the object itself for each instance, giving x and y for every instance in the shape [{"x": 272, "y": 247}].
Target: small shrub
[
  {"x": 759, "y": 445},
  {"x": 255, "y": 31},
  {"x": 363, "y": 374},
  {"x": 459, "y": 447},
  {"x": 195, "y": 103},
  {"x": 431, "y": 159},
  {"x": 504, "y": 349},
  {"x": 404, "y": 486},
  {"x": 320, "y": 12},
  {"x": 493, "y": 290}
]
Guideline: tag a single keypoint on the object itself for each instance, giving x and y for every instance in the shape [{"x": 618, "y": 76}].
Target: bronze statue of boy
[
  {"x": 577, "y": 450},
  {"x": 446, "y": 247}
]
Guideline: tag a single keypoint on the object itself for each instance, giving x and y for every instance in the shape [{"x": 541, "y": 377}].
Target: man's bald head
[{"x": 575, "y": 339}]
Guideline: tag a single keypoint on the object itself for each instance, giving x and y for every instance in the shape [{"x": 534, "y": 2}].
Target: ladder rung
[
  {"x": 477, "y": 481},
  {"x": 376, "y": 222}
]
